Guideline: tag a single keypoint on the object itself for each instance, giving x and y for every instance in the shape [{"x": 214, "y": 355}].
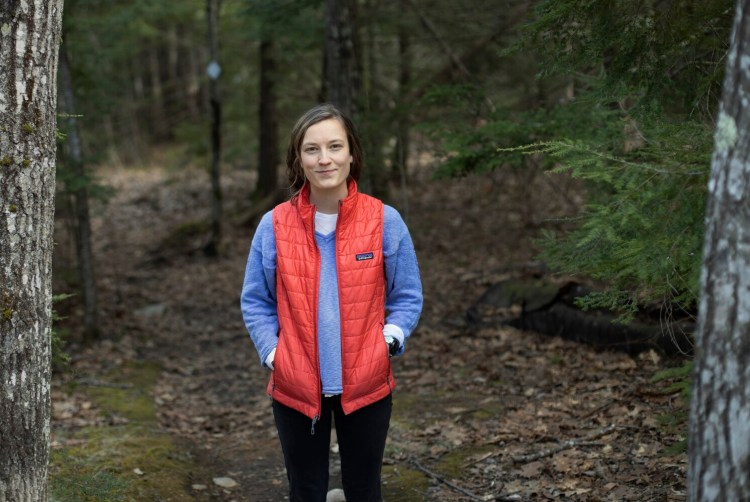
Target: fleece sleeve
[
  {"x": 403, "y": 301},
  {"x": 258, "y": 299}
]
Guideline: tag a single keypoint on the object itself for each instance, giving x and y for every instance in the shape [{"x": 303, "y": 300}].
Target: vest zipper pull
[{"x": 312, "y": 429}]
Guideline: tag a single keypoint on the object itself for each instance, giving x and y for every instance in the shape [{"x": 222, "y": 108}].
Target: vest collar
[{"x": 346, "y": 206}]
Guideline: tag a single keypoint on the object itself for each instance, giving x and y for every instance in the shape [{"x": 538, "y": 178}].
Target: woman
[{"x": 331, "y": 291}]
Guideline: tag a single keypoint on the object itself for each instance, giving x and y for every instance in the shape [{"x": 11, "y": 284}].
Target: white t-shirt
[{"x": 325, "y": 223}]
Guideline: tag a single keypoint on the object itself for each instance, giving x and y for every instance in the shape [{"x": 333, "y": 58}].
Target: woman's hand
[{"x": 393, "y": 345}]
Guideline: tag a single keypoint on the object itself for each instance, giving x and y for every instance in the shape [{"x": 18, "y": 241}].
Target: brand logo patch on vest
[{"x": 365, "y": 256}]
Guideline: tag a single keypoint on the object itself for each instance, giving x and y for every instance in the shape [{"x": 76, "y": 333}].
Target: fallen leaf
[{"x": 532, "y": 469}]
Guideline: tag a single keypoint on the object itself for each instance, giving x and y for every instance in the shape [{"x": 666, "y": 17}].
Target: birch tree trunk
[
  {"x": 29, "y": 43},
  {"x": 719, "y": 433}
]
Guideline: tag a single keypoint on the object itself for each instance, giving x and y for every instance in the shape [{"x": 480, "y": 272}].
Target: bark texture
[
  {"x": 719, "y": 435},
  {"x": 29, "y": 43},
  {"x": 342, "y": 66}
]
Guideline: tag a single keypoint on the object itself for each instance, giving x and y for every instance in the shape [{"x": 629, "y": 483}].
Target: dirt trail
[{"x": 466, "y": 402}]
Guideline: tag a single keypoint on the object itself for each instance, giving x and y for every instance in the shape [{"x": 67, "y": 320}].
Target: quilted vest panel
[{"x": 366, "y": 370}]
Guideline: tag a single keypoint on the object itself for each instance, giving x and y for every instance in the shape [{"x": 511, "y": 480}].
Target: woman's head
[{"x": 316, "y": 115}]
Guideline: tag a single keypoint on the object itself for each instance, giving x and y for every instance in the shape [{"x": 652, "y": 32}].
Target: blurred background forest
[
  {"x": 619, "y": 95},
  {"x": 603, "y": 110}
]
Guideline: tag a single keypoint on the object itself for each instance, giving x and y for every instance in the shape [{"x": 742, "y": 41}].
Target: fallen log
[{"x": 546, "y": 307}]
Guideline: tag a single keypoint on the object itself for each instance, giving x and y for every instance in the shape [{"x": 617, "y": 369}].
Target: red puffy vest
[{"x": 366, "y": 369}]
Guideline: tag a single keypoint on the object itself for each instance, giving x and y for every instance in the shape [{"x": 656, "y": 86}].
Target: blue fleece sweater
[{"x": 403, "y": 293}]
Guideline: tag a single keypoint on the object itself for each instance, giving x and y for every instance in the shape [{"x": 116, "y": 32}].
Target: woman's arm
[
  {"x": 403, "y": 301},
  {"x": 258, "y": 300}
]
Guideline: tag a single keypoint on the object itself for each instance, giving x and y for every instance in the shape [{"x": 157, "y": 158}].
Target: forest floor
[{"x": 488, "y": 414}]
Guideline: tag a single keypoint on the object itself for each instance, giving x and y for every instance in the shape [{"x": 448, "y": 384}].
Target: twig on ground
[
  {"x": 99, "y": 383},
  {"x": 599, "y": 409},
  {"x": 480, "y": 459},
  {"x": 445, "y": 481},
  {"x": 519, "y": 459}
]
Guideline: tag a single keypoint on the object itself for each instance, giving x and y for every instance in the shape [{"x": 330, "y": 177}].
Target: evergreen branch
[{"x": 559, "y": 148}]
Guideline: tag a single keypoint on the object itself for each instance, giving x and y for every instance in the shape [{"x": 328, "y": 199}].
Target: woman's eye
[
  {"x": 311, "y": 150},
  {"x": 335, "y": 147}
]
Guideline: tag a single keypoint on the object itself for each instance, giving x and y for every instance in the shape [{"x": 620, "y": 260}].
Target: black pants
[{"x": 361, "y": 436}]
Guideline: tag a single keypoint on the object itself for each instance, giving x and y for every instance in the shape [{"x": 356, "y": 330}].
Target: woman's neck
[{"x": 328, "y": 201}]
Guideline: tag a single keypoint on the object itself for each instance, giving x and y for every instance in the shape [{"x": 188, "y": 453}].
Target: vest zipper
[
  {"x": 315, "y": 315},
  {"x": 338, "y": 286}
]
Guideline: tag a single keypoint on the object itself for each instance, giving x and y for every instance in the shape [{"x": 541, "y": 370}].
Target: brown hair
[{"x": 319, "y": 113}]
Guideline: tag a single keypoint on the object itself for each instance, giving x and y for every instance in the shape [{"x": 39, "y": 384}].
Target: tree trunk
[
  {"x": 159, "y": 124},
  {"x": 212, "y": 13},
  {"x": 719, "y": 434},
  {"x": 268, "y": 157},
  {"x": 375, "y": 175},
  {"x": 173, "y": 60},
  {"x": 342, "y": 66},
  {"x": 401, "y": 151},
  {"x": 174, "y": 96},
  {"x": 192, "y": 83},
  {"x": 135, "y": 142},
  {"x": 80, "y": 203},
  {"x": 29, "y": 43}
]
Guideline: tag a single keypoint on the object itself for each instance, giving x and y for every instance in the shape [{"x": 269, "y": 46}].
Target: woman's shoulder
[
  {"x": 391, "y": 216},
  {"x": 394, "y": 229},
  {"x": 266, "y": 220},
  {"x": 265, "y": 226}
]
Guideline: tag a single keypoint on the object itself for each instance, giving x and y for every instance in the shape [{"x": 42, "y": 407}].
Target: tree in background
[
  {"x": 268, "y": 148},
  {"x": 117, "y": 94},
  {"x": 284, "y": 34},
  {"x": 214, "y": 71},
  {"x": 29, "y": 43},
  {"x": 77, "y": 188},
  {"x": 401, "y": 148},
  {"x": 626, "y": 103},
  {"x": 719, "y": 439},
  {"x": 129, "y": 61},
  {"x": 342, "y": 64}
]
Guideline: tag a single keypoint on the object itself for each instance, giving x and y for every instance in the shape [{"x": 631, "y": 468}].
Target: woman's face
[{"x": 326, "y": 159}]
